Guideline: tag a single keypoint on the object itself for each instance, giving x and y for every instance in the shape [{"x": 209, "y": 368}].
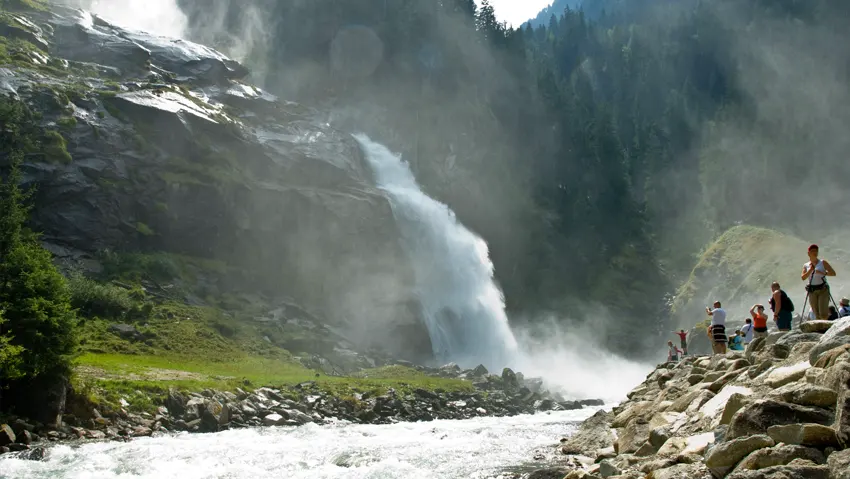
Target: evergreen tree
[{"x": 37, "y": 335}]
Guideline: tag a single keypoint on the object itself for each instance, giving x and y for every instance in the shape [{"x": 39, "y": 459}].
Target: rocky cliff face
[
  {"x": 158, "y": 144},
  {"x": 778, "y": 410}
]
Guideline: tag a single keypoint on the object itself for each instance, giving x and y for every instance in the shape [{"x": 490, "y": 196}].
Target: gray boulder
[{"x": 757, "y": 417}]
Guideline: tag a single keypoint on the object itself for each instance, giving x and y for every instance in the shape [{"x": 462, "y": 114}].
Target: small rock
[
  {"x": 141, "y": 431},
  {"x": 273, "y": 419}
]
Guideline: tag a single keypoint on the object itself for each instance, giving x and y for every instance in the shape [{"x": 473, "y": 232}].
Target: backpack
[{"x": 787, "y": 304}]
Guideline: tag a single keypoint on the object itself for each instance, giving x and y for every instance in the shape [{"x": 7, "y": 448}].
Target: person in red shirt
[
  {"x": 759, "y": 321},
  {"x": 683, "y": 338}
]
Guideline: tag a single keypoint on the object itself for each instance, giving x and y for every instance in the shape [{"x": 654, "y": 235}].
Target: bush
[
  {"x": 37, "y": 305},
  {"x": 94, "y": 299},
  {"x": 137, "y": 266}
]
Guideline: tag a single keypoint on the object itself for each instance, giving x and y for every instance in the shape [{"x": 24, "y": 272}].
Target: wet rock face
[{"x": 170, "y": 151}]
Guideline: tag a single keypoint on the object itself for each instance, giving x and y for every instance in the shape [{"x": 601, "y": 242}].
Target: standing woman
[{"x": 815, "y": 272}]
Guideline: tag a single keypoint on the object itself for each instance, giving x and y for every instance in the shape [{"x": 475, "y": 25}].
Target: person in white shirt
[
  {"x": 717, "y": 330},
  {"x": 747, "y": 329},
  {"x": 815, "y": 272}
]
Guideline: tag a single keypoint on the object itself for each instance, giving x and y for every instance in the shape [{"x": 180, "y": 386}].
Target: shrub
[
  {"x": 93, "y": 299},
  {"x": 136, "y": 266},
  {"x": 37, "y": 305}
]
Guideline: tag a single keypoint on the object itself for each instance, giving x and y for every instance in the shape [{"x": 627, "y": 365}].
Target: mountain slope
[
  {"x": 738, "y": 268},
  {"x": 157, "y": 147}
]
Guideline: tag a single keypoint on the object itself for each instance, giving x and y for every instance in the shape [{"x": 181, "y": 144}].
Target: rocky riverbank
[
  {"x": 779, "y": 410},
  {"x": 208, "y": 411}
]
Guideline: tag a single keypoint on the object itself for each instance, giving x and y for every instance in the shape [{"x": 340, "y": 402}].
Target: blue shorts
[{"x": 783, "y": 322}]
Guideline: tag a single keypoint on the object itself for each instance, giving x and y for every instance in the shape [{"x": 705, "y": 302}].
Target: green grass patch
[
  {"x": 67, "y": 122},
  {"x": 123, "y": 375},
  {"x": 55, "y": 147},
  {"x": 23, "y": 5},
  {"x": 144, "y": 229}
]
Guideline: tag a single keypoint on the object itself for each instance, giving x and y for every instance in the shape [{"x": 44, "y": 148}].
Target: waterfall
[{"x": 463, "y": 308}]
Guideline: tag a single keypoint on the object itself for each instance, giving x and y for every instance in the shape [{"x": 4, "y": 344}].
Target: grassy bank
[{"x": 143, "y": 380}]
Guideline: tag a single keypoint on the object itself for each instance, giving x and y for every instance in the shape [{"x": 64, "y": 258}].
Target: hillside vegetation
[{"x": 738, "y": 268}]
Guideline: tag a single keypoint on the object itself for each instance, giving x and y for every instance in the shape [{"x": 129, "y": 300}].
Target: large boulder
[
  {"x": 839, "y": 464},
  {"x": 796, "y": 337},
  {"x": 842, "y": 413},
  {"x": 790, "y": 471},
  {"x": 593, "y": 434},
  {"x": 817, "y": 326},
  {"x": 805, "y": 394},
  {"x": 787, "y": 374},
  {"x": 723, "y": 457},
  {"x": 7, "y": 436},
  {"x": 780, "y": 455},
  {"x": 757, "y": 417},
  {"x": 840, "y": 327},
  {"x": 812, "y": 435},
  {"x": 826, "y": 345}
]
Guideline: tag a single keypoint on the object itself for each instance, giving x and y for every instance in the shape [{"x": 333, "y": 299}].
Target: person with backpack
[
  {"x": 815, "y": 272},
  {"x": 782, "y": 307}
]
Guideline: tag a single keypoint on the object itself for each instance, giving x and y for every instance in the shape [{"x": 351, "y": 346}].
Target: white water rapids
[
  {"x": 469, "y": 449},
  {"x": 463, "y": 308}
]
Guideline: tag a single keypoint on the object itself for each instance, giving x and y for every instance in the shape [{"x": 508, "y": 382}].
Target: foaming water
[
  {"x": 463, "y": 307},
  {"x": 474, "y": 448},
  {"x": 161, "y": 17}
]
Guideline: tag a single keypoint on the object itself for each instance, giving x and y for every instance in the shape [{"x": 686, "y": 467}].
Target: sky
[{"x": 515, "y": 12}]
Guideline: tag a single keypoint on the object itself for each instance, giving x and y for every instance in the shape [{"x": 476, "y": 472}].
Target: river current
[{"x": 475, "y": 448}]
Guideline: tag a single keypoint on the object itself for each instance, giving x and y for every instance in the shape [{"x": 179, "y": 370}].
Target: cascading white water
[
  {"x": 480, "y": 448},
  {"x": 463, "y": 307}
]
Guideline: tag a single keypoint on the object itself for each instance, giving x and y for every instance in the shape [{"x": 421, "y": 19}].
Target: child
[{"x": 672, "y": 352}]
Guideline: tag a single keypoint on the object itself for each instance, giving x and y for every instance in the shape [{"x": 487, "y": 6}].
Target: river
[{"x": 475, "y": 448}]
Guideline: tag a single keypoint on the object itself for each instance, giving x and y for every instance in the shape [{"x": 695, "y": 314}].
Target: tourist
[
  {"x": 844, "y": 310},
  {"x": 782, "y": 306},
  {"x": 683, "y": 340},
  {"x": 759, "y": 328},
  {"x": 815, "y": 272},
  {"x": 833, "y": 313},
  {"x": 737, "y": 341},
  {"x": 748, "y": 328},
  {"x": 672, "y": 352},
  {"x": 717, "y": 329}
]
